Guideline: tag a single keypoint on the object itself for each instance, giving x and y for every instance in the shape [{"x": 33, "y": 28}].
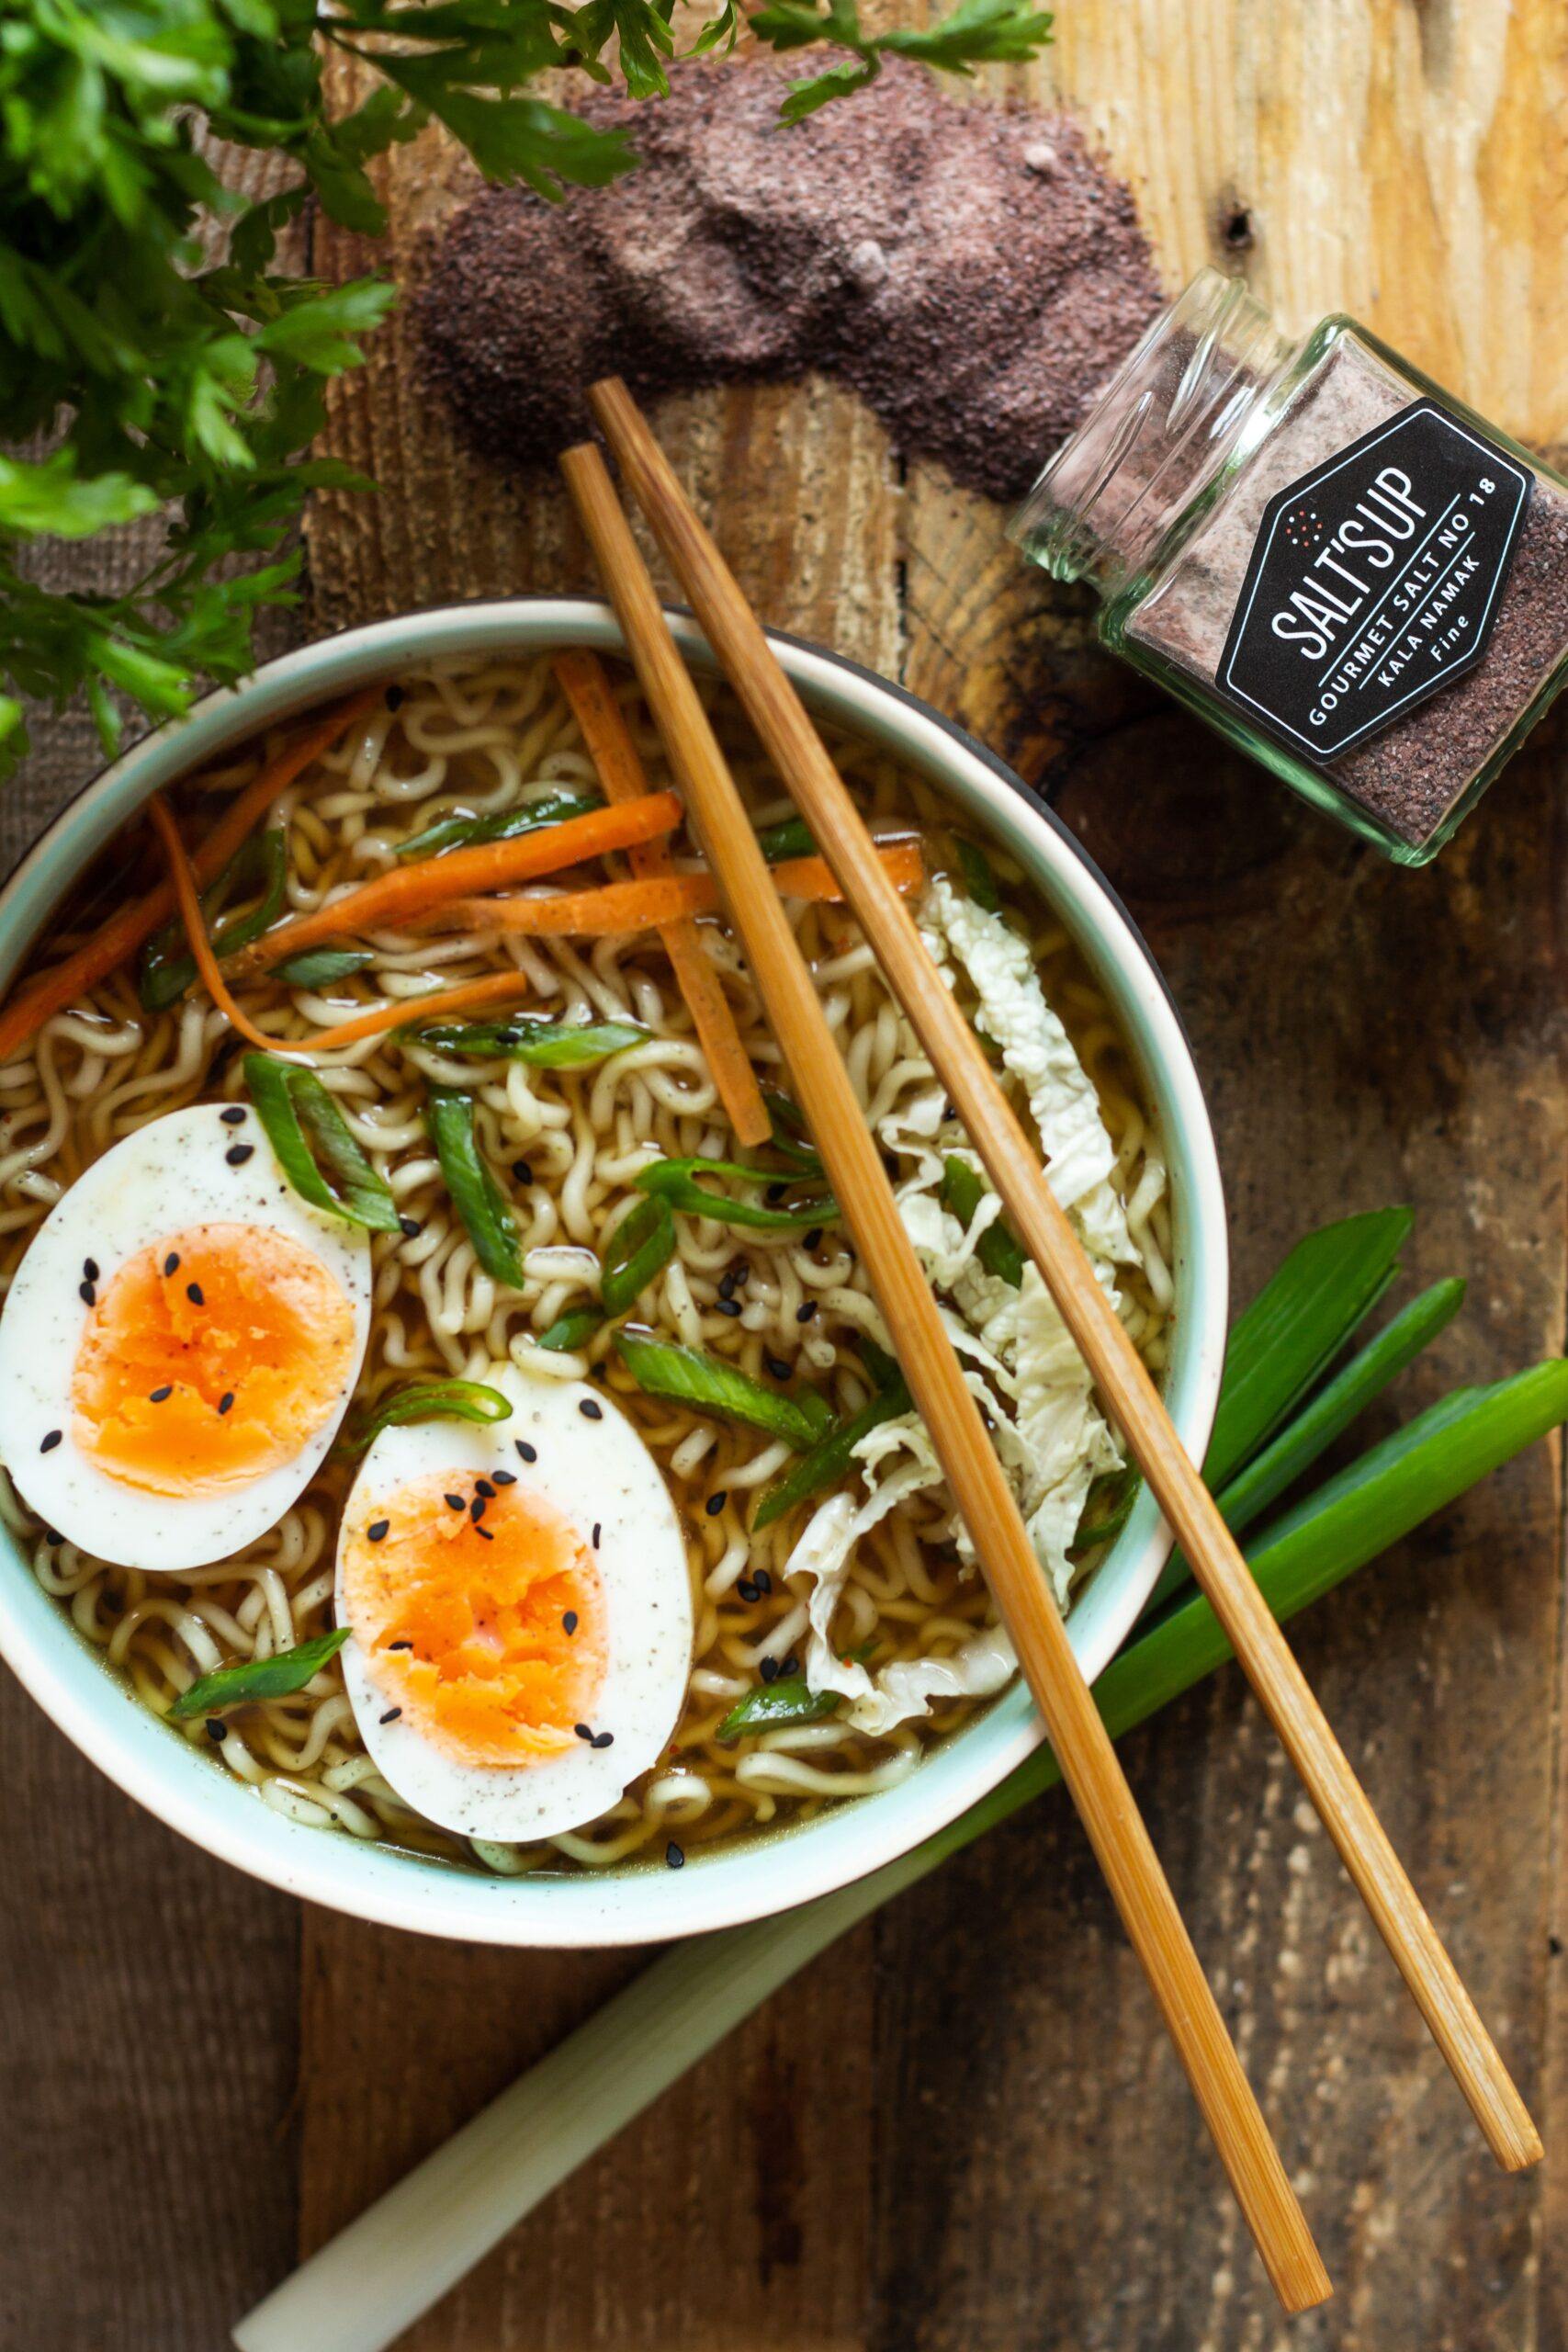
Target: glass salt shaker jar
[{"x": 1335, "y": 564}]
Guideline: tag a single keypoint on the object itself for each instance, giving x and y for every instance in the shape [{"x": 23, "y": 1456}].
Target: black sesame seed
[
  {"x": 770, "y": 1669},
  {"x": 226, "y": 1402},
  {"x": 85, "y": 1292},
  {"x": 483, "y": 1486},
  {"x": 394, "y": 697},
  {"x": 569, "y": 1623},
  {"x": 238, "y": 1153},
  {"x": 591, "y": 1409},
  {"x": 51, "y": 1440},
  {"x": 749, "y": 1589},
  {"x": 54, "y": 1535},
  {"x": 521, "y": 1170},
  {"x": 455, "y": 1502},
  {"x": 715, "y": 1503},
  {"x": 791, "y": 1664},
  {"x": 598, "y": 1531},
  {"x": 194, "y": 1294},
  {"x": 90, "y": 1268},
  {"x": 777, "y": 1367},
  {"x": 582, "y": 1731},
  {"x": 813, "y": 1239},
  {"x": 604, "y": 1739},
  {"x": 729, "y": 1306},
  {"x": 172, "y": 1262},
  {"x": 216, "y": 1730},
  {"x": 804, "y": 1314},
  {"x": 161, "y": 1396},
  {"x": 477, "y": 1509},
  {"x": 763, "y": 1581},
  {"x": 675, "y": 1857},
  {"x": 399, "y": 1645},
  {"x": 391, "y": 1716},
  {"x": 486, "y": 1534},
  {"x": 774, "y": 1194},
  {"x": 234, "y": 1117},
  {"x": 376, "y": 1533},
  {"x": 726, "y": 1286},
  {"x": 409, "y": 1228},
  {"x": 528, "y": 1452},
  {"x": 506, "y": 1478}
]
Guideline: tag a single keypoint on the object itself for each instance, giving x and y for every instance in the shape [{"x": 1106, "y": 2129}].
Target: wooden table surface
[{"x": 964, "y": 2129}]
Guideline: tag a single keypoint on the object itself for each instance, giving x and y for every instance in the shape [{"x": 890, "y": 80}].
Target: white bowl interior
[{"x": 750, "y": 1880}]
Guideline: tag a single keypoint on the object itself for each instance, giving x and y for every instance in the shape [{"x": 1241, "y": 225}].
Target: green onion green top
[
  {"x": 314, "y": 1146},
  {"x": 259, "y": 1678},
  {"x": 477, "y": 1198}
]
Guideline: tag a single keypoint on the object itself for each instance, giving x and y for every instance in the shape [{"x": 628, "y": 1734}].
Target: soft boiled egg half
[
  {"x": 179, "y": 1345},
  {"x": 520, "y": 1612}
]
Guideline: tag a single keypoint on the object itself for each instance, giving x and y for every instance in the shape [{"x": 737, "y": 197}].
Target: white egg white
[
  {"x": 597, "y": 1472},
  {"x": 167, "y": 1177}
]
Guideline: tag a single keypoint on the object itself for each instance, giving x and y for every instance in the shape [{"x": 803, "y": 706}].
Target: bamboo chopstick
[
  {"x": 860, "y": 1181},
  {"x": 1123, "y": 1382}
]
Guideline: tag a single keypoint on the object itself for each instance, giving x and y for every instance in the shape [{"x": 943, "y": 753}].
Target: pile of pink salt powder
[{"x": 974, "y": 272}]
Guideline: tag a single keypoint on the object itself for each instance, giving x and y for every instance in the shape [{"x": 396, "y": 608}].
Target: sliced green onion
[
  {"x": 479, "y": 1199},
  {"x": 1296, "y": 1325},
  {"x": 980, "y": 878},
  {"x": 997, "y": 1251},
  {"x": 168, "y": 967},
  {"x": 686, "y": 1376},
  {"x": 1107, "y": 1509},
  {"x": 791, "y": 837},
  {"x": 1337, "y": 1405},
  {"x": 543, "y": 1045},
  {"x": 641, "y": 1246},
  {"x": 259, "y": 1678},
  {"x": 426, "y": 1400},
  {"x": 832, "y": 1456},
  {"x": 314, "y": 1147},
  {"x": 676, "y": 1181},
  {"x": 570, "y": 1332},
  {"x": 790, "y": 1700},
  {"x": 321, "y": 967},
  {"x": 501, "y": 825},
  {"x": 790, "y": 1138}
]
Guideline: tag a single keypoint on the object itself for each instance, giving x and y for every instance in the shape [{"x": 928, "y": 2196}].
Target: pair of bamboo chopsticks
[{"x": 974, "y": 1474}]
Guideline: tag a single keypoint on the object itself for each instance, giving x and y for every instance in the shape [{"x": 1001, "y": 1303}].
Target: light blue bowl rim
[{"x": 191, "y": 1790}]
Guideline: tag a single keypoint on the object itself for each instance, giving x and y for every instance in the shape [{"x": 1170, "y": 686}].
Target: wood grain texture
[{"x": 959, "y": 2131}]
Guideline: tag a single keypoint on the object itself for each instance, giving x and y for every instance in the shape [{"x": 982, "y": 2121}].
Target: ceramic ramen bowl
[{"x": 769, "y": 1873}]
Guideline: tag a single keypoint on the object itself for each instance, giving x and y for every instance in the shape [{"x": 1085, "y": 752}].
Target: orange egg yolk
[
  {"x": 210, "y": 1358},
  {"x": 489, "y": 1634}
]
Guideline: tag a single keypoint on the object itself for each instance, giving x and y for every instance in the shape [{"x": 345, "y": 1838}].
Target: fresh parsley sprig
[{"x": 150, "y": 343}]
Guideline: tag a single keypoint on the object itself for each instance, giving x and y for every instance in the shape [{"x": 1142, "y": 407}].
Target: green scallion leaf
[
  {"x": 426, "y": 1400},
  {"x": 314, "y": 1147},
  {"x": 477, "y": 1198},
  {"x": 831, "y": 1458},
  {"x": 687, "y": 1377},
  {"x": 790, "y": 1138},
  {"x": 321, "y": 967},
  {"x": 675, "y": 1181},
  {"x": 980, "y": 878},
  {"x": 570, "y": 1332},
  {"x": 641, "y": 1246},
  {"x": 790, "y": 1700},
  {"x": 501, "y": 825},
  {"x": 168, "y": 967},
  {"x": 543, "y": 1045},
  {"x": 998, "y": 1250},
  {"x": 259, "y": 1678},
  {"x": 791, "y": 837}
]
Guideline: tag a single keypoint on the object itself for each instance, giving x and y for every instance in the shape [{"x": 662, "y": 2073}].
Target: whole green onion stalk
[{"x": 370, "y": 2282}]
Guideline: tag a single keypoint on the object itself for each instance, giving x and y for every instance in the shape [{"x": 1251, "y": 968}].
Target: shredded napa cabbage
[{"x": 1018, "y": 1358}]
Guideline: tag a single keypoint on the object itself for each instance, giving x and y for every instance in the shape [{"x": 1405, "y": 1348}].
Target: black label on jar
[{"x": 1374, "y": 581}]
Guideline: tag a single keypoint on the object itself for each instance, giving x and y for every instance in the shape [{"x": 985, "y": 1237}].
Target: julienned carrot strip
[
  {"x": 586, "y": 685},
  {"x": 391, "y": 899},
  {"x": 124, "y": 932},
  {"x": 187, "y": 899},
  {"x": 645, "y": 906},
  {"x": 585, "y": 910}
]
